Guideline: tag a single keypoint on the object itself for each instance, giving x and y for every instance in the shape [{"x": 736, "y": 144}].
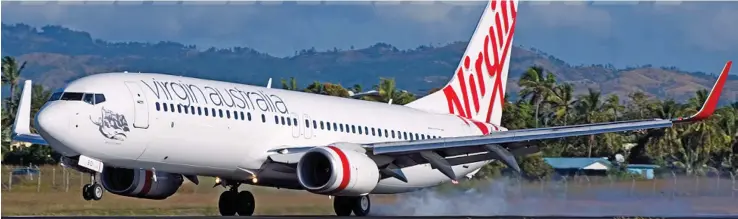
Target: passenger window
[
  {"x": 373, "y": 134},
  {"x": 179, "y": 108},
  {"x": 404, "y": 134},
  {"x": 158, "y": 108},
  {"x": 416, "y": 136},
  {"x": 220, "y": 113},
  {"x": 307, "y": 123},
  {"x": 192, "y": 110},
  {"x": 393, "y": 133},
  {"x": 235, "y": 115},
  {"x": 212, "y": 112},
  {"x": 353, "y": 128},
  {"x": 72, "y": 96},
  {"x": 165, "y": 107},
  {"x": 199, "y": 111},
  {"x": 228, "y": 114},
  {"x": 341, "y": 127},
  {"x": 186, "y": 109},
  {"x": 386, "y": 133},
  {"x": 321, "y": 125},
  {"x": 366, "y": 130},
  {"x": 294, "y": 121},
  {"x": 276, "y": 120},
  {"x": 360, "y": 130},
  {"x": 335, "y": 127},
  {"x": 379, "y": 132},
  {"x": 282, "y": 119},
  {"x": 247, "y": 114},
  {"x": 289, "y": 122},
  {"x": 171, "y": 107},
  {"x": 205, "y": 109},
  {"x": 329, "y": 126},
  {"x": 263, "y": 118}
]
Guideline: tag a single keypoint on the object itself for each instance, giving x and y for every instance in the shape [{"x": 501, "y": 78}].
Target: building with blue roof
[{"x": 568, "y": 166}]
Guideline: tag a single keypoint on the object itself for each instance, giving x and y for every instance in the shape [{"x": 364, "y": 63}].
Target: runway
[{"x": 405, "y": 217}]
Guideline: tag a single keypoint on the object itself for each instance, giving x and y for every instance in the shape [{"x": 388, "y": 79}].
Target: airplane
[{"x": 142, "y": 134}]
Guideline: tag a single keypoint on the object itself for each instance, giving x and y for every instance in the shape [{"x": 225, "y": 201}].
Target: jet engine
[
  {"x": 140, "y": 182},
  {"x": 334, "y": 171}
]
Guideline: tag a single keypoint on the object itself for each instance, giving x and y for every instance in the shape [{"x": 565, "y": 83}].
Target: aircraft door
[
  {"x": 295, "y": 125},
  {"x": 140, "y": 107},
  {"x": 308, "y": 129}
]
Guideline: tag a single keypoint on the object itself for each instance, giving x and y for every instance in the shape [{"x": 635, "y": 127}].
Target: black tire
[
  {"x": 227, "y": 203},
  {"x": 86, "y": 192},
  {"x": 342, "y": 205},
  {"x": 96, "y": 191},
  {"x": 245, "y": 204},
  {"x": 361, "y": 205}
]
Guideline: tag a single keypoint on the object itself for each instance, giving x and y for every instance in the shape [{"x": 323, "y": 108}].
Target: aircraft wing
[
  {"x": 503, "y": 146},
  {"x": 22, "y": 126}
]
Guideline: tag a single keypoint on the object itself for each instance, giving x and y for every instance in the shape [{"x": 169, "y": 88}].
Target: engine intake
[
  {"x": 140, "y": 183},
  {"x": 334, "y": 171}
]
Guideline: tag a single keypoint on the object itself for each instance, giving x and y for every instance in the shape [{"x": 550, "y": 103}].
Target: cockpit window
[
  {"x": 89, "y": 98},
  {"x": 55, "y": 96},
  {"x": 99, "y": 98},
  {"x": 72, "y": 96}
]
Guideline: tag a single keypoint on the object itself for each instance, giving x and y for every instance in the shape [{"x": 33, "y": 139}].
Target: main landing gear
[
  {"x": 232, "y": 201},
  {"x": 344, "y": 205},
  {"x": 92, "y": 191}
]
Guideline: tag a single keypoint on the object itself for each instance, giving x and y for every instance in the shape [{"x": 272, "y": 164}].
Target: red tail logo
[{"x": 474, "y": 81}]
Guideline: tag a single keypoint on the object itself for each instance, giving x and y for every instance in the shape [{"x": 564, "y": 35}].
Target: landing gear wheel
[
  {"x": 86, "y": 192},
  {"x": 246, "y": 204},
  {"x": 95, "y": 191},
  {"x": 361, "y": 205},
  {"x": 227, "y": 203},
  {"x": 342, "y": 205}
]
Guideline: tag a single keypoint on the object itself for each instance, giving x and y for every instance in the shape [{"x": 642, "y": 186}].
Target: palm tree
[
  {"x": 613, "y": 103},
  {"x": 292, "y": 85},
  {"x": 536, "y": 86},
  {"x": 387, "y": 91},
  {"x": 562, "y": 101},
  {"x": 590, "y": 107},
  {"x": 11, "y": 74}
]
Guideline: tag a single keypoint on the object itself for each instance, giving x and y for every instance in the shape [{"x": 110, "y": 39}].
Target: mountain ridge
[{"x": 57, "y": 55}]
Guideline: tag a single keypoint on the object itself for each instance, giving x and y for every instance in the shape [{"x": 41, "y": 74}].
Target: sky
[{"x": 694, "y": 36}]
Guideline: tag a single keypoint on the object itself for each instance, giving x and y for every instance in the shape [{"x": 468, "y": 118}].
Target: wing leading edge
[{"x": 524, "y": 135}]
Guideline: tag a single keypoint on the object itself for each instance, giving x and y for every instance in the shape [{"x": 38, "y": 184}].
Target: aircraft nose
[{"x": 51, "y": 122}]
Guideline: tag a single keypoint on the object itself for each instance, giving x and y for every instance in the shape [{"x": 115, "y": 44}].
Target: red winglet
[{"x": 712, "y": 99}]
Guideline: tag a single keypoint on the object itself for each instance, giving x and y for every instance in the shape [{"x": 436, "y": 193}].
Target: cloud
[{"x": 578, "y": 15}]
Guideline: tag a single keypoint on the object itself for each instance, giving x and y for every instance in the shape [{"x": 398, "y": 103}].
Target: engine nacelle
[
  {"x": 334, "y": 171},
  {"x": 140, "y": 182}
]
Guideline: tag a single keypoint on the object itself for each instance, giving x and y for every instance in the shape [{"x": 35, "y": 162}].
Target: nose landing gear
[{"x": 93, "y": 191}]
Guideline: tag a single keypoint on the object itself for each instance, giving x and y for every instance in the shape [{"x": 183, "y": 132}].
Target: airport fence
[{"x": 54, "y": 178}]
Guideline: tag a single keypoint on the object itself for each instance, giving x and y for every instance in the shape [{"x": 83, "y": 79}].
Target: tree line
[{"x": 696, "y": 148}]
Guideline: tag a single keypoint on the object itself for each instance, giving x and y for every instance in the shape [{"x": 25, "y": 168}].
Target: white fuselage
[{"x": 132, "y": 129}]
